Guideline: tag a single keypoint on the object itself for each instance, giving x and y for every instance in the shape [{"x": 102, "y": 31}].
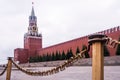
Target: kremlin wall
[
  {"x": 79, "y": 42},
  {"x": 33, "y": 42}
]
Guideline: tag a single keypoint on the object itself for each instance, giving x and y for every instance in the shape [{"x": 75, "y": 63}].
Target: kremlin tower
[{"x": 32, "y": 41}]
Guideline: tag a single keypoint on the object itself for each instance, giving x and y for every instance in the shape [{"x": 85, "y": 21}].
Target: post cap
[
  {"x": 96, "y": 38},
  {"x": 9, "y": 58}
]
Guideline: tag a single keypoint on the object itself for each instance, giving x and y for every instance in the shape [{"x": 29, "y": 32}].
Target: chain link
[
  {"x": 54, "y": 70},
  {"x": 3, "y": 71},
  {"x": 111, "y": 42}
]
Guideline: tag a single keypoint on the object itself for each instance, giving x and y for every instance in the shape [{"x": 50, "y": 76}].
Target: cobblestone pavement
[{"x": 71, "y": 73}]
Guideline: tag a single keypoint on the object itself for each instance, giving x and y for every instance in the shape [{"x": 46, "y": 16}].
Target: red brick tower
[{"x": 32, "y": 39}]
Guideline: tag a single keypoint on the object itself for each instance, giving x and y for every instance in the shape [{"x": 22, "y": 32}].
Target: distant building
[{"x": 33, "y": 42}]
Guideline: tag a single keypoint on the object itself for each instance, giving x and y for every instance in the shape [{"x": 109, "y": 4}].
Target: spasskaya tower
[{"x": 32, "y": 41}]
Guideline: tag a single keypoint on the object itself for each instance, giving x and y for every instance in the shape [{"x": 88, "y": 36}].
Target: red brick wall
[
  {"x": 21, "y": 55},
  {"x": 73, "y": 44},
  {"x": 33, "y": 43}
]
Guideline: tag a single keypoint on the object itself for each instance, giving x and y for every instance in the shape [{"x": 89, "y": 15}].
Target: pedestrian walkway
[{"x": 71, "y": 73}]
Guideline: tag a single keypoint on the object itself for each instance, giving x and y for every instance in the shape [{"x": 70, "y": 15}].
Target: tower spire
[
  {"x": 33, "y": 29},
  {"x": 32, "y": 12}
]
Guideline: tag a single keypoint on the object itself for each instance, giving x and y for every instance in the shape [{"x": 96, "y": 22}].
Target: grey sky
[{"x": 58, "y": 20}]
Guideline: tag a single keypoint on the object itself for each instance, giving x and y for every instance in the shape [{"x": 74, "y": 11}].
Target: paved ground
[{"x": 71, "y": 73}]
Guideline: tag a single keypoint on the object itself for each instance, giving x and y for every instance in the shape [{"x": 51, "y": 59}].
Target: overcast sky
[{"x": 58, "y": 20}]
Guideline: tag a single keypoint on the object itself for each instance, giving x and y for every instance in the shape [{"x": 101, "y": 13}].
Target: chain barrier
[
  {"x": 111, "y": 42},
  {"x": 54, "y": 70},
  {"x": 3, "y": 71}
]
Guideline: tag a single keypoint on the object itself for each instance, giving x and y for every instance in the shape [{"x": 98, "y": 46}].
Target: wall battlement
[
  {"x": 111, "y": 30},
  {"x": 106, "y": 32}
]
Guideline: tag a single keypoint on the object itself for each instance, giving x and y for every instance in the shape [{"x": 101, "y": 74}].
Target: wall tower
[{"x": 32, "y": 39}]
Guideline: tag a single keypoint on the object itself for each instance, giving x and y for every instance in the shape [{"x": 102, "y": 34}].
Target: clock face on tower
[{"x": 34, "y": 29}]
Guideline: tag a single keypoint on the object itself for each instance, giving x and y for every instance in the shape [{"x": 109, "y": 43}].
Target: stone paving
[{"x": 71, "y": 73}]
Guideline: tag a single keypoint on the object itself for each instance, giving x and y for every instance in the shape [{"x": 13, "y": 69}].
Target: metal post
[
  {"x": 97, "y": 42},
  {"x": 8, "y": 75}
]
